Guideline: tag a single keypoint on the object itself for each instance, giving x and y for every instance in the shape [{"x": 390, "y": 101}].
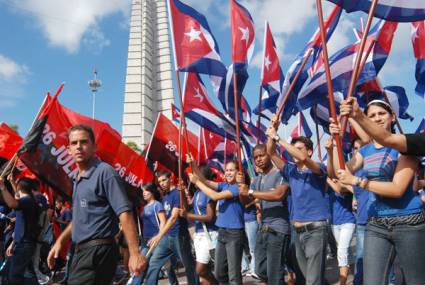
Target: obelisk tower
[{"x": 148, "y": 84}]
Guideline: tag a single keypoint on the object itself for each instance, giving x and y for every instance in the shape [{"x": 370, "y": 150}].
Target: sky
[{"x": 47, "y": 42}]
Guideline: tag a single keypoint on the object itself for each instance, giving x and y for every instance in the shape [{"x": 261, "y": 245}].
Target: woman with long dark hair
[{"x": 396, "y": 223}]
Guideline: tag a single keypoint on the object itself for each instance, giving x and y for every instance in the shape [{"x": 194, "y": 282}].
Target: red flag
[
  {"x": 243, "y": 36},
  {"x": 44, "y": 150},
  {"x": 9, "y": 141},
  {"x": 163, "y": 147}
]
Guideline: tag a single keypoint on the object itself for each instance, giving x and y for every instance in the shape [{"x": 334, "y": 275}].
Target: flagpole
[
  {"x": 236, "y": 110},
  {"x": 292, "y": 85},
  {"x": 259, "y": 114},
  {"x": 184, "y": 127},
  {"x": 319, "y": 151},
  {"x": 331, "y": 99},
  {"x": 355, "y": 74}
]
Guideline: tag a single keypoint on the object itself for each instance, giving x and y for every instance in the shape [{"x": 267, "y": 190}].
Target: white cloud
[
  {"x": 66, "y": 23},
  {"x": 13, "y": 76}
]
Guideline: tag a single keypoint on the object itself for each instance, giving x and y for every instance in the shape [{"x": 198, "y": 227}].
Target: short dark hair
[
  {"x": 207, "y": 172},
  {"x": 85, "y": 128},
  {"x": 305, "y": 140},
  {"x": 26, "y": 184},
  {"x": 260, "y": 146},
  {"x": 163, "y": 172}
]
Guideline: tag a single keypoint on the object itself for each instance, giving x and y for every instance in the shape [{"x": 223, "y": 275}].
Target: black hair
[
  {"x": 26, "y": 185},
  {"x": 163, "y": 172},
  {"x": 305, "y": 140},
  {"x": 153, "y": 189},
  {"x": 384, "y": 106},
  {"x": 85, "y": 128},
  {"x": 207, "y": 172},
  {"x": 260, "y": 146}
]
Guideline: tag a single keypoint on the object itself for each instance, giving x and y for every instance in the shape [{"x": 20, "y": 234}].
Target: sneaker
[
  {"x": 42, "y": 280},
  {"x": 254, "y": 275}
]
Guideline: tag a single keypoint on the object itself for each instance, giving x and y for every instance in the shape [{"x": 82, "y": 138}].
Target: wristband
[
  {"x": 358, "y": 181},
  {"x": 250, "y": 192},
  {"x": 276, "y": 138}
]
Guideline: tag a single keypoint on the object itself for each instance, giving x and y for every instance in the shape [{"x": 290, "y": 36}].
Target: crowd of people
[{"x": 276, "y": 226}]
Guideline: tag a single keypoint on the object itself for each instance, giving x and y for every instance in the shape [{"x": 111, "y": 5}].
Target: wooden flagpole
[
  {"x": 317, "y": 135},
  {"x": 355, "y": 74},
  {"x": 259, "y": 114},
  {"x": 236, "y": 110},
  {"x": 332, "y": 107}
]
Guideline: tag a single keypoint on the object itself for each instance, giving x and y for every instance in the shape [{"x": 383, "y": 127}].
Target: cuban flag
[
  {"x": 315, "y": 44},
  {"x": 175, "y": 113},
  {"x": 272, "y": 77},
  {"x": 194, "y": 46},
  {"x": 341, "y": 64},
  {"x": 243, "y": 36},
  {"x": 391, "y": 10},
  {"x": 421, "y": 127},
  {"x": 397, "y": 98},
  {"x": 418, "y": 41},
  {"x": 199, "y": 108},
  {"x": 302, "y": 128}
]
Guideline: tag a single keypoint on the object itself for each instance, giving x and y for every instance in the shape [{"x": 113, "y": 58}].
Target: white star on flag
[
  {"x": 267, "y": 62},
  {"x": 415, "y": 32},
  {"x": 198, "y": 95},
  {"x": 194, "y": 35},
  {"x": 245, "y": 34}
]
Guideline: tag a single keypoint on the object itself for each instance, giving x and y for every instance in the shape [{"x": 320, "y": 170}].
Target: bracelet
[{"x": 364, "y": 183}]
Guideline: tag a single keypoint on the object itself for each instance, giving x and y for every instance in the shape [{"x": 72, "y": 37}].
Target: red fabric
[{"x": 10, "y": 141}]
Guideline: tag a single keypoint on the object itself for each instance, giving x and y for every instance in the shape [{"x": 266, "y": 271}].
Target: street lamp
[{"x": 94, "y": 84}]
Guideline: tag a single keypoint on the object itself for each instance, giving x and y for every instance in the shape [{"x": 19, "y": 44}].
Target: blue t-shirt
[
  {"x": 379, "y": 164},
  {"x": 65, "y": 216},
  {"x": 200, "y": 202},
  {"x": 98, "y": 199},
  {"x": 363, "y": 202},
  {"x": 170, "y": 201},
  {"x": 341, "y": 208},
  {"x": 250, "y": 213},
  {"x": 230, "y": 211},
  {"x": 26, "y": 219},
  {"x": 309, "y": 199},
  {"x": 150, "y": 220}
]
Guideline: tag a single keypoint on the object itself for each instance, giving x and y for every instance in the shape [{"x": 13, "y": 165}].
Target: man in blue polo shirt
[
  {"x": 310, "y": 203},
  {"x": 99, "y": 204},
  {"x": 176, "y": 242}
]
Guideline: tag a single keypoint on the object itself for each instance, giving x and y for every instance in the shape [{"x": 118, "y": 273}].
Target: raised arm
[
  {"x": 211, "y": 184},
  {"x": 208, "y": 191},
  {"x": 271, "y": 150},
  {"x": 351, "y": 108},
  {"x": 404, "y": 173}
]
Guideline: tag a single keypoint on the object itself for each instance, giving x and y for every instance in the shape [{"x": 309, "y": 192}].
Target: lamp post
[{"x": 94, "y": 84}]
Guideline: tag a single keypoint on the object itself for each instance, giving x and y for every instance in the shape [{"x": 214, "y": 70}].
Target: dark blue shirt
[
  {"x": 98, "y": 199},
  {"x": 64, "y": 216},
  {"x": 41, "y": 201},
  {"x": 250, "y": 213},
  {"x": 310, "y": 201},
  {"x": 363, "y": 203},
  {"x": 341, "y": 208},
  {"x": 200, "y": 202},
  {"x": 170, "y": 201},
  {"x": 150, "y": 219},
  {"x": 26, "y": 217},
  {"x": 230, "y": 211},
  {"x": 379, "y": 164}
]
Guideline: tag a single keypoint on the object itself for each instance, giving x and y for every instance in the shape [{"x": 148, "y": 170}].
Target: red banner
[{"x": 10, "y": 141}]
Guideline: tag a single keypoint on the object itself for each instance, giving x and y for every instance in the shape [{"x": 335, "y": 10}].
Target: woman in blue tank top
[
  {"x": 230, "y": 222},
  {"x": 396, "y": 223}
]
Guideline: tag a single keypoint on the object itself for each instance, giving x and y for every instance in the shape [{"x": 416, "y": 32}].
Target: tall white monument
[{"x": 148, "y": 84}]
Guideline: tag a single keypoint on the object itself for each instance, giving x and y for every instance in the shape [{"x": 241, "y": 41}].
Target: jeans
[
  {"x": 251, "y": 233},
  {"x": 138, "y": 280},
  {"x": 381, "y": 245},
  {"x": 310, "y": 249},
  {"x": 270, "y": 252},
  {"x": 168, "y": 246},
  {"x": 21, "y": 264},
  {"x": 228, "y": 256},
  {"x": 358, "y": 275},
  {"x": 343, "y": 234}
]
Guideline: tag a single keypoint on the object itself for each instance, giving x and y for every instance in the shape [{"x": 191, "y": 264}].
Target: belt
[
  {"x": 410, "y": 220},
  {"x": 267, "y": 229},
  {"x": 310, "y": 226},
  {"x": 94, "y": 242}
]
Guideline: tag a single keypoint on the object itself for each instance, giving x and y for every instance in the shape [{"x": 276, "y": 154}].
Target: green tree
[{"x": 134, "y": 146}]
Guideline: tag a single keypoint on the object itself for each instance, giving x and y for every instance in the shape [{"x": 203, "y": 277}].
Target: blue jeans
[
  {"x": 228, "y": 256},
  {"x": 358, "y": 275},
  {"x": 21, "y": 264},
  {"x": 310, "y": 249},
  {"x": 270, "y": 252},
  {"x": 381, "y": 245},
  {"x": 168, "y": 246},
  {"x": 251, "y": 233}
]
